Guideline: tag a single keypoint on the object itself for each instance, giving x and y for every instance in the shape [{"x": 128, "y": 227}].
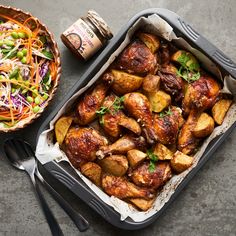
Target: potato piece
[
  {"x": 141, "y": 203},
  {"x": 61, "y": 128},
  {"x": 159, "y": 100},
  {"x": 151, "y": 83},
  {"x": 115, "y": 165},
  {"x": 186, "y": 59},
  {"x": 150, "y": 40},
  {"x": 220, "y": 109},
  {"x": 180, "y": 162},
  {"x": 93, "y": 171},
  {"x": 162, "y": 152},
  {"x": 124, "y": 82},
  {"x": 204, "y": 127},
  {"x": 135, "y": 157}
]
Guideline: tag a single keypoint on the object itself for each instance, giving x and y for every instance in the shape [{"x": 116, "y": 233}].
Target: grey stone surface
[{"x": 207, "y": 206}]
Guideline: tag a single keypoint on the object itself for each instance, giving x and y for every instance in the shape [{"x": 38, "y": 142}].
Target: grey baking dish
[{"x": 65, "y": 174}]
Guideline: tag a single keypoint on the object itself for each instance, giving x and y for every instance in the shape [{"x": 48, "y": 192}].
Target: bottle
[{"x": 87, "y": 35}]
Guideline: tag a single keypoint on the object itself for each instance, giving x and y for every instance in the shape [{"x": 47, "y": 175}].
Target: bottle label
[{"x": 83, "y": 39}]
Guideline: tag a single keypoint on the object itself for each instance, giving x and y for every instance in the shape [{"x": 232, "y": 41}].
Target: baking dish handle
[{"x": 200, "y": 42}]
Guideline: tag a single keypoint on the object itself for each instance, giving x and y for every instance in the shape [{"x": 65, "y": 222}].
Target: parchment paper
[{"x": 47, "y": 151}]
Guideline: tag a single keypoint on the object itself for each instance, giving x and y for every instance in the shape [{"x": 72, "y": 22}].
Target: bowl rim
[{"x": 57, "y": 55}]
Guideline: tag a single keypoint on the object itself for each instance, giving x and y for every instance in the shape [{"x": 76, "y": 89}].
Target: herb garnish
[
  {"x": 113, "y": 109},
  {"x": 189, "y": 69},
  {"x": 165, "y": 113},
  {"x": 153, "y": 159}
]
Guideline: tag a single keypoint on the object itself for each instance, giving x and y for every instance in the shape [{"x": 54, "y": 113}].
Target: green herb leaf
[
  {"x": 153, "y": 159},
  {"x": 47, "y": 54},
  {"x": 187, "y": 75},
  {"x": 151, "y": 166},
  {"x": 165, "y": 113},
  {"x": 183, "y": 59}
]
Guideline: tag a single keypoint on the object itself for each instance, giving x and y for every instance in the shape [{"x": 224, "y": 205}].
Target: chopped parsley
[
  {"x": 165, "y": 113},
  {"x": 153, "y": 159},
  {"x": 189, "y": 69},
  {"x": 113, "y": 109}
]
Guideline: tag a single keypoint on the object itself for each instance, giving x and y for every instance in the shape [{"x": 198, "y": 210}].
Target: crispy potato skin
[
  {"x": 116, "y": 165},
  {"x": 162, "y": 152},
  {"x": 220, "y": 109},
  {"x": 124, "y": 82},
  {"x": 61, "y": 128},
  {"x": 137, "y": 59},
  {"x": 135, "y": 157},
  {"x": 143, "y": 177},
  {"x": 180, "y": 162},
  {"x": 141, "y": 203},
  {"x": 81, "y": 145},
  {"x": 204, "y": 127},
  {"x": 159, "y": 100},
  {"x": 93, "y": 171},
  {"x": 150, "y": 40}
]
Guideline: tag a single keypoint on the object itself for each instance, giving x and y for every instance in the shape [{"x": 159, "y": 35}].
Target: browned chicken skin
[
  {"x": 143, "y": 177},
  {"x": 187, "y": 142},
  {"x": 91, "y": 102},
  {"x": 137, "y": 59},
  {"x": 113, "y": 120},
  {"x": 81, "y": 145},
  {"x": 122, "y": 146},
  {"x": 167, "y": 126},
  {"x": 120, "y": 187},
  {"x": 201, "y": 94},
  {"x": 138, "y": 106}
]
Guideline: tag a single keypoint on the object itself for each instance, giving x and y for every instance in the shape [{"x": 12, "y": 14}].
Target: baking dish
[{"x": 69, "y": 178}]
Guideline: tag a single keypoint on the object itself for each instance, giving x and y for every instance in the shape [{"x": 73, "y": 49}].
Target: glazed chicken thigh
[
  {"x": 81, "y": 145},
  {"x": 137, "y": 59},
  {"x": 201, "y": 94},
  {"x": 113, "y": 120},
  {"x": 142, "y": 176}
]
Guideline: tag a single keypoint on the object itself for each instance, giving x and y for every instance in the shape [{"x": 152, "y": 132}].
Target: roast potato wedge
[
  {"x": 61, "y": 127},
  {"x": 162, "y": 152},
  {"x": 151, "y": 83},
  {"x": 115, "y": 165},
  {"x": 141, "y": 203},
  {"x": 180, "y": 162},
  {"x": 159, "y": 100},
  {"x": 204, "y": 127},
  {"x": 220, "y": 109},
  {"x": 124, "y": 82},
  {"x": 135, "y": 157},
  {"x": 186, "y": 59},
  {"x": 93, "y": 172},
  {"x": 150, "y": 40}
]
